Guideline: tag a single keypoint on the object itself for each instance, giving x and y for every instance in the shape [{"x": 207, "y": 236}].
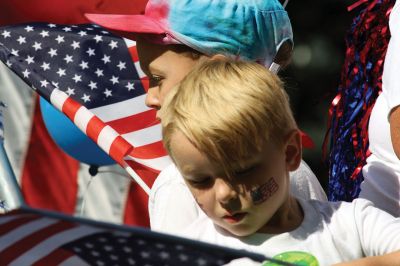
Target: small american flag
[
  {"x": 94, "y": 78},
  {"x": 33, "y": 237}
]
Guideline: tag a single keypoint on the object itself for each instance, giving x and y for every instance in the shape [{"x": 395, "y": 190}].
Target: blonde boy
[{"x": 230, "y": 131}]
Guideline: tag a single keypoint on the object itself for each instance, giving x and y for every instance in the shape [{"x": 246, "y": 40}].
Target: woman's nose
[{"x": 153, "y": 98}]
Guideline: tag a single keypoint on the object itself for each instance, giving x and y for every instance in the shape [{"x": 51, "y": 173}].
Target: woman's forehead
[{"x": 148, "y": 52}]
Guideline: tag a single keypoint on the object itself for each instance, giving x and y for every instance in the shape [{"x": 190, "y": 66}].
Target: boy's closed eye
[
  {"x": 207, "y": 180},
  {"x": 200, "y": 182},
  {"x": 246, "y": 171}
]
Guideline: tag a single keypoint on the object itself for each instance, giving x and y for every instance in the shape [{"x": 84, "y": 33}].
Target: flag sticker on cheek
[{"x": 264, "y": 192}]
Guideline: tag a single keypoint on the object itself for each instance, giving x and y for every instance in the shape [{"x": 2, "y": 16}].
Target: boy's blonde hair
[{"x": 228, "y": 110}]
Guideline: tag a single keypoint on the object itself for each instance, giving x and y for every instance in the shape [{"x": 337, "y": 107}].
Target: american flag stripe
[
  {"x": 7, "y": 217},
  {"x": 31, "y": 241},
  {"x": 134, "y": 122},
  {"x": 24, "y": 228},
  {"x": 69, "y": 107},
  {"x": 142, "y": 75},
  {"x": 107, "y": 138},
  {"x": 13, "y": 222},
  {"x": 57, "y": 257},
  {"x": 82, "y": 119},
  {"x": 149, "y": 151},
  {"x": 52, "y": 255},
  {"x": 132, "y": 49},
  {"x": 95, "y": 127},
  {"x": 146, "y": 83},
  {"x": 129, "y": 116},
  {"x": 121, "y": 109},
  {"x": 143, "y": 78},
  {"x": 57, "y": 98},
  {"x": 54, "y": 241},
  {"x": 43, "y": 242},
  {"x": 158, "y": 163},
  {"x": 144, "y": 136}
]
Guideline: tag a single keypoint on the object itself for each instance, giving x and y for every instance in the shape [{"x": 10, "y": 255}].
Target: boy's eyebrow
[
  {"x": 246, "y": 164},
  {"x": 187, "y": 170}
]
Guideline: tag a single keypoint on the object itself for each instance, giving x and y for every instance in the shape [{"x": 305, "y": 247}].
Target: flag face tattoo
[{"x": 264, "y": 192}]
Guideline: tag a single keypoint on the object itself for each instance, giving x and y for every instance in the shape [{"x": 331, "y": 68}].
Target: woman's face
[{"x": 164, "y": 67}]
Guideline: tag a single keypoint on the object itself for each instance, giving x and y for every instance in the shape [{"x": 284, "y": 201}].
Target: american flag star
[{"x": 93, "y": 77}]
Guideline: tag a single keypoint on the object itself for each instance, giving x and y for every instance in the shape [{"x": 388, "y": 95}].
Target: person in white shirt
[
  {"x": 381, "y": 183},
  {"x": 230, "y": 131},
  {"x": 172, "y": 37}
]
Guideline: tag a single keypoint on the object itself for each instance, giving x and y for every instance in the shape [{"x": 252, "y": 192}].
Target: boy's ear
[{"x": 293, "y": 150}]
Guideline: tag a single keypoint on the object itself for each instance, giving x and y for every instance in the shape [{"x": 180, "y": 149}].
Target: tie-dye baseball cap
[{"x": 246, "y": 29}]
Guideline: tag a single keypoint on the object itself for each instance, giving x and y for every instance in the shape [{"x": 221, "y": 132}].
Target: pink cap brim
[{"x": 127, "y": 23}]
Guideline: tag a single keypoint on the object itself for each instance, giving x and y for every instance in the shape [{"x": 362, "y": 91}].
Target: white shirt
[
  {"x": 381, "y": 183},
  {"x": 332, "y": 232},
  {"x": 172, "y": 206}
]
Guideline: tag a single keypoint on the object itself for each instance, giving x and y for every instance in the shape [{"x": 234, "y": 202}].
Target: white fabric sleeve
[
  {"x": 379, "y": 231},
  {"x": 171, "y": 205},
  {"x": 391, "y": 69},
  {"x": 305, "y": 185}
]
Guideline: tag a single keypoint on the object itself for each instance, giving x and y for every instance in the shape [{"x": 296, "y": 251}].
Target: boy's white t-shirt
[
  {"x": 172, "y": 206},
  {"x": 332, "y": 232},
  {"x": 381, "y": 183}
]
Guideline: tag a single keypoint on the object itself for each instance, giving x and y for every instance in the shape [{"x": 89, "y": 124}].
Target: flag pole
[{"x": 137, "y": 179}]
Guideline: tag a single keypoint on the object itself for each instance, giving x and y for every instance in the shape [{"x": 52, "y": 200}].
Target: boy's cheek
[
  {"x": 265, "y": 191},
  {"x": 203, "y": 205}
]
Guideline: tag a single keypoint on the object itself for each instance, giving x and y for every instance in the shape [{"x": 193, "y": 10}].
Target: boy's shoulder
[
  {"x": 341, "y": 214},
  {"x": 331, "y": 207},
  {"x": 169, "y": 175}
]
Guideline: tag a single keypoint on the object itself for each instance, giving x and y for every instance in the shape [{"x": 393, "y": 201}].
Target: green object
[{"x": 300, "y": 258}]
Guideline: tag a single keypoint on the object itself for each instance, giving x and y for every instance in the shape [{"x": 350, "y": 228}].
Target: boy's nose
[
  {"x": 224, "y": 191},
  {"x": 153, "y": 98}
]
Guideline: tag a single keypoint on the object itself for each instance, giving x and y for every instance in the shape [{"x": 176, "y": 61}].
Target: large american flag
[
  {"x": 94, "y": 78},
  {"x": 33, "y": 237}
]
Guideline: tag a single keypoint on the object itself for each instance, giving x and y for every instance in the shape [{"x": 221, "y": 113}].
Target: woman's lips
[{"x": 235, "y": 218}]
